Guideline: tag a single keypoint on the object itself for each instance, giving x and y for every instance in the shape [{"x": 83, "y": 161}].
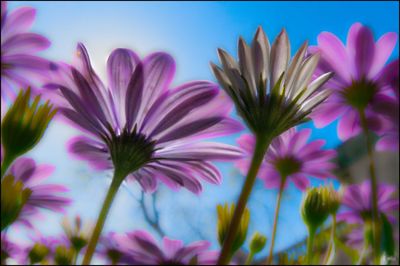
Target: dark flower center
[
  {"x": 287, "y": 166},
  {"x": 360, "y": 93},
  {"x": 129, "y": 151}
]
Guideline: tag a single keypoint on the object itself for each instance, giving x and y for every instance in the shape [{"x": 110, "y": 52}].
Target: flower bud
[
  {"x": 333, "y": 199},
  {"x": 24, "y": 124},
  {"x": 225, "y": 215},
  {"x": 77, "y": 234},
  {"x": 63, "y": 255},
  {"x": 257, "y": 243},
  {"x": 38, "y": 253},
  {"x": 315, "y": 207},
  {"x": 13, "y": 198}
]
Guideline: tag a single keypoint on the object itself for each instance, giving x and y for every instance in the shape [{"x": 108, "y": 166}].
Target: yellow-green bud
[
  {"x": 13, "y": 198},
  {"x": 334, "y": 199},
  {"x": 38, "y": 253},
  {"x": 315, "y": 207},
  {"x": 63, "y": 255},
  {"x": 77, "y": 235},
  {"x": 257, "y": 243},
  {"x": 225, "y": 214},
  {"x": 24, "y": 125}
]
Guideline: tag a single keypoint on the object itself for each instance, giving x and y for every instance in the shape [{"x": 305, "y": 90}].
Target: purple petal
[
  {"x": 349, "y": 126},
  {"x": 133, "y": 98},
  {"x": 364, "y": 53},
  {"x": 171, "y": 247},
  {"x": 25, "y": 43},
  {"x": 334, "y": 52},
  {"x": 159, "y": 69},
  {"x": 200, "y": 151},
  {"x": 18, "y": 21},
  {"x": 384, "y": 48},
  {"x": 96, "y": 153}
]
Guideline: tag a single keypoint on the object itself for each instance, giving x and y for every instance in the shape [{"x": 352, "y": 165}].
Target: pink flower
[
  {"x": 289, "y": 156},
  {"x": 142, "y": 248},
  {"x": 361, "y": 79}
]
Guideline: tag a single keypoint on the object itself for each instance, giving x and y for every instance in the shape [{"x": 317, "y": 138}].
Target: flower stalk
[
  {"x": 261, "y": 147},
  {"x": 277, "y": 208},
  {"x": 374, "y": 189},
  {"x": 115, "y": 184},
  {"x": 327, "y": 260},
  {"x": 310, "y": 244}
]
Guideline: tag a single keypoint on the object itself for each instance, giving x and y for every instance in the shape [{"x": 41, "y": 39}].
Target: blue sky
[{"x": 191, "y": 32}]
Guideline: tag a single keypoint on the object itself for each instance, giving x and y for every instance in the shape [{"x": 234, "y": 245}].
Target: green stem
[
  {"x": 310, "y": 244},
  {"x": 8, "y": 160},
  {"x": 277, "y": 208},
  {"x": 249, "y": 258},
  {"x": 374, "y": 186},
  {"x": 258, "y": 156},
  {"x": 332, "y": 241},
  {"x": 363, "y": 253},
  {"x": 115, "y": 184}
]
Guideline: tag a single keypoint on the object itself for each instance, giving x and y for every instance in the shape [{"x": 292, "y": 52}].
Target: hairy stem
[
  {"x": 258, "y": 156},
  {"x": 277, "y": 208},
  {"x": 332, "y": 241},
  {"x": 115, "y": 184},
  {"x": 310, "y": 244},
  {"x": 249, "y": 258},
  {"x": 374, "y": 187}
]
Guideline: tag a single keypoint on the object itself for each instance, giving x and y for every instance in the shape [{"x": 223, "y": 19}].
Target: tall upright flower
[
  {"x": 142, "y": 128},
  {"x": 361, "y": 78},
  {"x": 43, "y": 196},
  {"x": 362, "y": 81},
  {"x": 272, "y": 94},
  {"x": 20, "y": 65},
  {"x": 357, "y": 200},
  {"x": 143, "y": 249}
]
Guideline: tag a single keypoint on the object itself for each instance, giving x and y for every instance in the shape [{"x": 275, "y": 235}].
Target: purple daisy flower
[
  {"x": 139, "y": 126},
  {"x": 20, "y": 66},
  {"x": 357, "y": 200},
  {"x": 142, "y": 248},
  {"x": 389, "y": 108},
  {"x": 361, "y": 79},
  {"x": 291, "y": 157},
  {"x": 44, "y": 196}
]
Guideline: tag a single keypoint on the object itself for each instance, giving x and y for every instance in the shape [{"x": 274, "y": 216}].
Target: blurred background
[{"x": 191, "y": 33}]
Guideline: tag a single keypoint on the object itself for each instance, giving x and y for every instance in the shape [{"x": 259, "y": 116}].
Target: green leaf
[{"x": 387, "y": 242}]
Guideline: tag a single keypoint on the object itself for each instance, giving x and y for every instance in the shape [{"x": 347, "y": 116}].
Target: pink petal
[
  {"x": 19, "y": 20},
  {"x": 384, "y": 48},
  {"x": 334, "y": 52}
]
